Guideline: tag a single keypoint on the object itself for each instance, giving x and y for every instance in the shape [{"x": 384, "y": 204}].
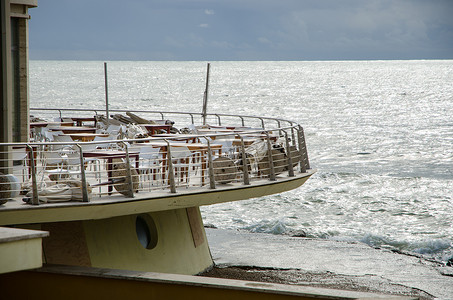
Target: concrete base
[
  {"x": 20, "y": 249},
  {"x": 177, "y": 242}
]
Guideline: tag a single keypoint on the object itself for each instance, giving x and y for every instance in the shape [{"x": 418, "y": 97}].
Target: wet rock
[
  {"x": 298, "y": 233},
  {"x": 450, "y": 262},
  {"x": 210, "y": 226},
  {"x": 446, "y": 271}
]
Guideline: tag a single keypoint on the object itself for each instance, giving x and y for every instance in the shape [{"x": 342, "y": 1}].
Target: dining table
[
  {"x": 85, "y": 137},
  {"x": 187, "y": 138},
  {"x": 80, "y": 120},
  {"x": 153, "y": 128},
  {"x": 73, "y": 129},
  {"x": 45, "y": 124}
]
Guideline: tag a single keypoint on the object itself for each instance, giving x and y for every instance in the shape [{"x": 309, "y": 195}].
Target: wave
[{"x": 438, "y": 249}]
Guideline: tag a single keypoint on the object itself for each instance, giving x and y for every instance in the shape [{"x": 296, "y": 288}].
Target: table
[
  {"x": 79, "y": 120},
  {"x": 193, "y": 147},
  {"x": 153, "y": 127},
  {"x": 45, "y": 124},
  {"x": 110, "y": 155},
  {"x": 73, "y": 129},
  {"x": 85, "y": 137},
  {"x": 247, "y": 142},
  {"x": 179, "y": 137}
]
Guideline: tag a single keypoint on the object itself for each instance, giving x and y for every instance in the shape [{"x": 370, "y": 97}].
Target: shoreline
[{"x": 328, "y": 264}]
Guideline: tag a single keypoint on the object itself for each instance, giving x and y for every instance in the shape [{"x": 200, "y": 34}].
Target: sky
[{"x": 210, "y": 30}]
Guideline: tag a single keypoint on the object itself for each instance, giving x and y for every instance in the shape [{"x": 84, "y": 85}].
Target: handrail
[
  {"x": 253, "y": 167},
  {"x": 162, "y": 114}
]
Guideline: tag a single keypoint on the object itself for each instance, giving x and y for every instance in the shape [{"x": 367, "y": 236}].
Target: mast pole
[
  {"x": 106, "y": 94},
  {"x": 205, "y": 97}
]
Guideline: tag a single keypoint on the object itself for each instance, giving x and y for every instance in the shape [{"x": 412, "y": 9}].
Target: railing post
[
  {"x": 129, "y": 181},
  {"x": 293, "y": 137},
  {"x": 262, "y": 123},
  {"x": 245, "y": 163},
  {"x": 35, "y": 198},
  {"x": 304, "y": 164},
  {"x": 219, "y": 122},
  {"x": 289, "y": 154},
  {"x": 171, "y": 173},
  {"x": 279, "y": 126},
  {"x": 270, "y": 157},
  {"x": 85, "y": 197},
  {"x": 242, "y": 121},
  {"x": 210, "y": 165}
]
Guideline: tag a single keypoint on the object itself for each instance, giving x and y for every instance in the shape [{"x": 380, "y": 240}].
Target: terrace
[{"x": 76, "y": 158}]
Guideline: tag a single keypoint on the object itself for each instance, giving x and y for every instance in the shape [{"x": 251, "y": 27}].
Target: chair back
[
  {"x": 180, "y": 152},
  {"x": 149, "y": 152},
  {"x": 52, "y": 158},
  {"x": 63, "y": 139}
]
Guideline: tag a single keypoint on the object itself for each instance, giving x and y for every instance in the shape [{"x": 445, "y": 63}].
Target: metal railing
[{"x": 43, "y": 171}]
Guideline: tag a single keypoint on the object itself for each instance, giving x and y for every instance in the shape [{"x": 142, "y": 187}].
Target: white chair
[
  {"x": 113, "y": 129},
  {"x": 149, "y": 163},
  {"x": 192, "y": 128},
  {"x": 20, "y": 162},
  {"x": 66, "y": 147},
  {"x": 93, "y": 163},
  {"x": 49, "y": 135},
  {"x": 72, "y": 160},
  {"x": 39, "y": 134},
  {"x": 62, "y": 138},
  {"x": 102, "y": 139},
  {"x": 183, "y": 161},
  {"x": 56, "y": 166},
  {"x": 227, "y": 145}
]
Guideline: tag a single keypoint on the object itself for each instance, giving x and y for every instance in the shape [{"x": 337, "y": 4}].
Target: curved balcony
[{"x": 142, "y": 161}]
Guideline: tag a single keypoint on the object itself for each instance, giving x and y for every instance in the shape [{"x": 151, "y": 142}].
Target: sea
[{"x": 379, "y": 134}]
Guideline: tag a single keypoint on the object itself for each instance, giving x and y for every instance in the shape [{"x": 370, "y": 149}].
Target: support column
[
  {"x": 5, "y": 87},
  {"x": 23, "y": 104}
]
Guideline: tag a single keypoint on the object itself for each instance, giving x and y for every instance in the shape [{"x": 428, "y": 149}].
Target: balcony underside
[{"x": 16, "y": 212}]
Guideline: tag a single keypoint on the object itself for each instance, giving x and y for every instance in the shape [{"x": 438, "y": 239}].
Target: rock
[
  {"x": 298, "y": 233},
  {"x": 225, "y": 170},
  {"x": 9, "y": 186},
  {"x": 119, "y": 173}
]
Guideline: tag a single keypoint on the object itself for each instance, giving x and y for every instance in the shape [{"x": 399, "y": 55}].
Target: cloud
[
  {"x": 244, "y": 29},
  {"x": 263, "y": 40}
]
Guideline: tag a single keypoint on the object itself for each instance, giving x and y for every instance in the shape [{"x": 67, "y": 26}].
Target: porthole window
[{"x": 146, "y": 231}]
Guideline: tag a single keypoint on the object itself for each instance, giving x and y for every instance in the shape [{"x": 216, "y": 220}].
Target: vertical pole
[
  {"x": 245, "y": 163},
  {"x": 170, "y": 170},
  {"x": 106, "y": 94},
  {"x": 205, "y": 97},
  {"x": 210, "y": 165},
  {"x": 289, "y": 155},
  {"x": 129, "y": 181},
  {"x": 270, "y": 157},
  {"x": 6, "y": 89},
  {"x": 85, "y": 197},
  {"x": 35, "y": 197},
  {"x": 304, "y": 163}
]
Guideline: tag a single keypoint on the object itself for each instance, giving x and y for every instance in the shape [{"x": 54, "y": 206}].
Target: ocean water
[{"x": 380, "y": 134}]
